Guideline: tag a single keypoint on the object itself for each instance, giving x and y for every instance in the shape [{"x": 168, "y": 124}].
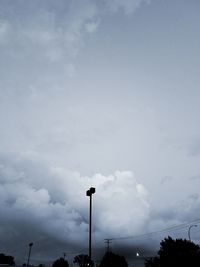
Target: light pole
[
  {"x": 89, "y": 193},
  {"x": 193, "y": 225},
  {"x": 29, "y": 254}
]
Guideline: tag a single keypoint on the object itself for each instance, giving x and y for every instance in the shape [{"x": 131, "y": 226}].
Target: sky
[{"x": 101, "y": 93}]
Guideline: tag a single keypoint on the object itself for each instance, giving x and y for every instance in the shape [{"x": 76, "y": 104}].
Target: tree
[
  {"x": 6, "y": 259},
  {"x": 152, "y": 262},
  {"x": 60, "y": 263},
  {"x": 176, "y": 253},
  {"x": 83, "y": 260},
  {"x": 113, "y": 260}
]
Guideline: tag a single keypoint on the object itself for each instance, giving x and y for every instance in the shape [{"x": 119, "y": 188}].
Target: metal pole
[
  {"x": 29, "y": 254},
  {"x": 89, "y": 194},
  {"x": 90, "y": 230},
  {"x": 194, "y": 225}
]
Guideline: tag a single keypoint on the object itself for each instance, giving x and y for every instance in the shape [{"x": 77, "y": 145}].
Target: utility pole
[{"x": 108, "y": 241}]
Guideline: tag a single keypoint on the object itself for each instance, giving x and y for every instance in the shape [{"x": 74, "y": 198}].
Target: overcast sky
[{"x": 101, "y": 93}]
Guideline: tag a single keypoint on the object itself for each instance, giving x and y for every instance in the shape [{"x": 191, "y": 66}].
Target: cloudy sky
[{"x": 100, "y": 93}]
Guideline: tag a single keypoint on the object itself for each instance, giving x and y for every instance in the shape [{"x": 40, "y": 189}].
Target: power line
[{"x": 175, "y": 227}]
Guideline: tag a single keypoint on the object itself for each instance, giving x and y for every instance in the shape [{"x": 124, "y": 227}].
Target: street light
[
  {"x": 89, "y": 193},
  {"x": 29, "y": 254},
  {"x": 193, "y": 225}
]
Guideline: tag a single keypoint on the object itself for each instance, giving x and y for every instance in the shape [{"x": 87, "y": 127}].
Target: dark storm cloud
[
  {"x": 47, "y": 204},
  {"x": 34, "y": 208}
]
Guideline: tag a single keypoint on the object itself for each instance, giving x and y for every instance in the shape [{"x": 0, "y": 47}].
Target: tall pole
[
  {"x": 29, "y": 254},
  {"x": 193, "y": 225},
  {"x": 89, "y": 193},
  {"x": 90, "y": 230}
]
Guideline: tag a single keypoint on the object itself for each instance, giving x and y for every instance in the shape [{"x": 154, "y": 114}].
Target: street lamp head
[
  {"x": 90, "y": 191},
  {"x": 30, "y": 244}
]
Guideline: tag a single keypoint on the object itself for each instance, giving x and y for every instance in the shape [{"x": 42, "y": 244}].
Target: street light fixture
[
  {"x": 193, "y": 225},
  {"x": 89, "y": 193},
  {"x": 29, "y": 254}
]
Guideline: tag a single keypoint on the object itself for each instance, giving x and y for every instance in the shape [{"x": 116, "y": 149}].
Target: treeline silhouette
[
  {"x": 172, "y": 253},
  {"x": 109, "y": 259},
  {"x": 176, "y": 253},
  {"x": 7, "y": 260}
]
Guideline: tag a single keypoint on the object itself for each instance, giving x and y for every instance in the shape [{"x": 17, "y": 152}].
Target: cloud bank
[
  {"x": 52, "y": 202},
  {"x": 47, "y": 205}
]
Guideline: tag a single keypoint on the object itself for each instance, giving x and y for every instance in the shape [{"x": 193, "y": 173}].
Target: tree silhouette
[
  {"x": 6, "y": 259},
  {"x": 60, "y": 263},
  {"x": 83, "y": 260},
  {"x": 176, "y": 253},
  {"x": 113, "y": 260}
]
